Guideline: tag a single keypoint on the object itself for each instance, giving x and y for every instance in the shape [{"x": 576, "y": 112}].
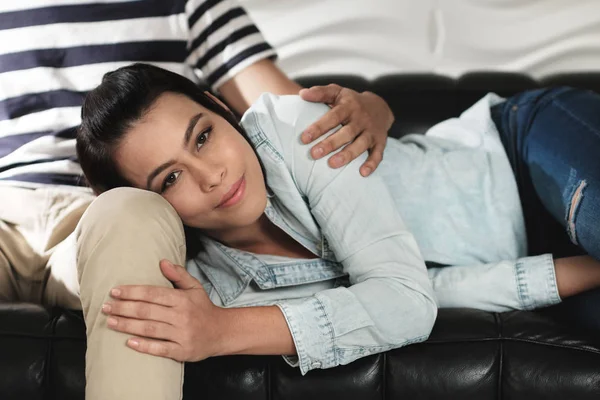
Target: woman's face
[{"x": 197, "y": 161}]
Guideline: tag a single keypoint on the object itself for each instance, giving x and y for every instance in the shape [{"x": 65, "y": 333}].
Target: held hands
[
  {"x": 180, "y": 323},
  {"x": 366, "y": 118}
]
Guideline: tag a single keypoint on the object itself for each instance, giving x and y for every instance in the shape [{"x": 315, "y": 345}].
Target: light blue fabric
[{"x": 449, "y": 197}]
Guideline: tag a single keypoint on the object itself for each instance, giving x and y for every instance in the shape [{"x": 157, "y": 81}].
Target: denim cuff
[
  {"x": 312, "y": 334},
  {"x": 536, "y": 282}
]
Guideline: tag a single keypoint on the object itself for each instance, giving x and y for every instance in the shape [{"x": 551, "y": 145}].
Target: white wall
[{"x": 375, "y": 37}]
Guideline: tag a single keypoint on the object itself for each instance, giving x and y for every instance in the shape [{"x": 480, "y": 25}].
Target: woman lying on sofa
[{"x": 292, "y": 257}]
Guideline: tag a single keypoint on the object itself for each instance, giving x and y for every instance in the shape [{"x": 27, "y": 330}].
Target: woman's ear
[{"x": 217, "y": 100}]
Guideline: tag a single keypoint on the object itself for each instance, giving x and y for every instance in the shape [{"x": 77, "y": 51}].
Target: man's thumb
[{"x": 321, "y": 94}]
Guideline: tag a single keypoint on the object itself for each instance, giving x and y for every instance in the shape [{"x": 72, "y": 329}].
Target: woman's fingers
[
  {"x": 139, "y": 310},
  {"x": 159, "y": 348},
  {"x": 151, "y": 294},
  {"x": 149, "y": 329},
  {"x": 178, "y": 275}
]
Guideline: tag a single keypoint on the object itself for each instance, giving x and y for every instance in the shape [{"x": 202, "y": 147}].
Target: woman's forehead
[{"x": 175, "y": 104}]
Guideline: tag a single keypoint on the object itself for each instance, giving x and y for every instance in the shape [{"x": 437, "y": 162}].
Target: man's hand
[
  {"x": 366, "y": 118},
  {"x": 181, "y": 323}
]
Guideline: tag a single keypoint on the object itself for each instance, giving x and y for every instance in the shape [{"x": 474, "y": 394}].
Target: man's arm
[
  {"x": 263, "y": 76},
  {"x": 366, "y": 117},
  {"x": 236, "y": 60}
]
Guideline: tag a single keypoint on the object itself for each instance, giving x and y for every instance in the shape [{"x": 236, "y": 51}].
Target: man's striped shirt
[{"x": 52, "y": 52}]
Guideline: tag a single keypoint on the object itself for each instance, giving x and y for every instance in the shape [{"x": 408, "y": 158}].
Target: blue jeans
[{"x": 552, "y": 138}]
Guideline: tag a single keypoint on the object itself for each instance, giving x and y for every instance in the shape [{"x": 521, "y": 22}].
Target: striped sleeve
[{"x": 223, "y": 40}]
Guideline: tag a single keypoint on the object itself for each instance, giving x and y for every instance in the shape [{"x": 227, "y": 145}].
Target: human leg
[
  {"x": 36, "y": 264},
  {"x": 20, "y": 264},
  {"x": 15, "y": 255},
  {"x": 61, "y": 287},
  {"x": 121, "y": 239},
  {"x": 552, "y": 137}
]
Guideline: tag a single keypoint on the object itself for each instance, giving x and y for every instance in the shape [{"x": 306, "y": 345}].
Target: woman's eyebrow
[
  {"x": 186, "y": 141},
  {"x": 190, "y": 129}
]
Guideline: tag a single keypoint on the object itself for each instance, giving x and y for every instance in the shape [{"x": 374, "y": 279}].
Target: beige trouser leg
[
  {"x": 15, "y": 255},
  {"x": 37, "y": 247},
  {"x": 121, "y": 239}
]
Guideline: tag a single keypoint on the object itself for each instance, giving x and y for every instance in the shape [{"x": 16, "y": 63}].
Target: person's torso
[
  {"x": 51, "y": 54},
  {"x": 460, "y": 203},
  {"x": 454, "y": 189}
]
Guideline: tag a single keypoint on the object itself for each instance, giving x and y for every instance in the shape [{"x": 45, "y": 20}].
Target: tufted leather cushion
[
  {"x": 471, "y": 354},
  {"x": 421, "y": 100}
]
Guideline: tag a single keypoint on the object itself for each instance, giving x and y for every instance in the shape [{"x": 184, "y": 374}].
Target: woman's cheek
[
  {"x": 179, "y": 202},
  {"x": 190, "y": 204}
]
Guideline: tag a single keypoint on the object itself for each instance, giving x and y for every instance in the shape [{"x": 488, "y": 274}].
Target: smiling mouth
[{"x": 234, "y": 195}]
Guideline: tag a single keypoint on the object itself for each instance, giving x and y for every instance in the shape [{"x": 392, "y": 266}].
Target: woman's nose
[{"x": 209, "y": 177}]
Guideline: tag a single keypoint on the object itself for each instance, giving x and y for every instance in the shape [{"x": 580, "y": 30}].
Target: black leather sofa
[{"x": 470, "y": 355}]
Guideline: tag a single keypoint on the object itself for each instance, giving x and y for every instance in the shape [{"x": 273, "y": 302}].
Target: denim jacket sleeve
[
  {"x": 390, "y": 301},
  {"x": 522, "y": 284}
]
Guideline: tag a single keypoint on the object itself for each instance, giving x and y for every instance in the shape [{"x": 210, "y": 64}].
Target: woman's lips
[{"x": 234, "y": 195}]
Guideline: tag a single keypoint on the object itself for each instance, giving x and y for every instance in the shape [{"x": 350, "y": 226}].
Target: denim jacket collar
[{"x": 231, "y": 270}]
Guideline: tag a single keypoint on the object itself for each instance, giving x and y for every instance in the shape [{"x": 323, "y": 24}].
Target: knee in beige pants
[{"x": 121, "y": 239}]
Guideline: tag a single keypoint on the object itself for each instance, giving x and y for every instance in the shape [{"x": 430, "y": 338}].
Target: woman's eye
[
  {"x": 170, "y": 179},
  {"x": 202, "y": 138}
]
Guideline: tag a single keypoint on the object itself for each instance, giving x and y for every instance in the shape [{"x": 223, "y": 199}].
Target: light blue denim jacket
[{"x": 448, "y": 197}]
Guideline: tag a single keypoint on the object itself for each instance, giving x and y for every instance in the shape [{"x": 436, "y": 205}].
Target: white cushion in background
[{"x": 375, "y": 37}]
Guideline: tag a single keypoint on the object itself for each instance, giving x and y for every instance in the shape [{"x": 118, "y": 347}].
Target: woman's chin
[{"x": 242, "y": 215}]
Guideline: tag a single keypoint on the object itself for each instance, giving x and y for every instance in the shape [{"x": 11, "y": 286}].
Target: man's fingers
[
  {"x": 350, "y": 152},
  {"x": 343, "y": 136},
  {"x": 321, "y": 94},
  {"x": 373, "y": 161},
  {"x": 366, "y": 119},
  {"x": 334, "y": 117}
]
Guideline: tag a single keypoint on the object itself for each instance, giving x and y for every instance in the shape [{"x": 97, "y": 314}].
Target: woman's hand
[
  {"x": 180, "y": 323},
  {"x": 366, "y": 118}
]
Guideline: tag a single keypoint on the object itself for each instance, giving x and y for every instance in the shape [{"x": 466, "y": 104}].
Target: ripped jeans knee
[
  {"x": 552, "y": 139},
  {"x": 582, "y": 214},
  {"x": 573, "y": 205}
]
